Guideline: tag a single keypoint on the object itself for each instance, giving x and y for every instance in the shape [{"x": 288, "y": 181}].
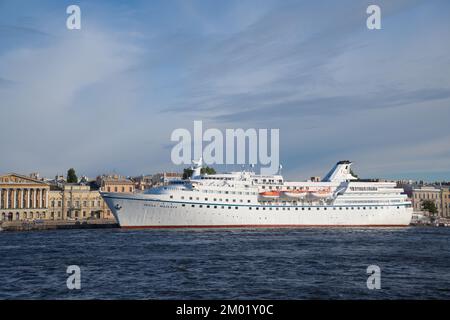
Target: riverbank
[{"x": 57, "y": 225}]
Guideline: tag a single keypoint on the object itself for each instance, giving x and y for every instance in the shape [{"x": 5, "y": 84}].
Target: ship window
[
  {"x": 197, "y": 198},
  {"x": 324, "y": 208},
  {"x": 364, "y": 208},
  {"x": 182, "y": 197},
  {"x": 303, "y": 208},
  {"x": 226, "y": 200},
  {"x": 215, "y": 199},
  {"x": 248, "y": 201},
  {"x": 201, "y": 206},
  {"x": 318, "y": 208},
  {"x": 193, "y": 205},
  {"x": 264, "y": 208},
  {"x": 309, "y": 208},
  {"x": 236, "y": 208},
  {"x": 346, "y": 208},
  {"x": 183, "y": 205},
  {"x": 257, "y": 208},
  {"x": 340, "y": 208},
  {"x": 190, "y": 198},
  {"x": 229, "y": 207},
  {"x": 250, "y": 208},
  {"x": 207, "y": 206},
  {"x": 334, "y": 208},
  {"x": 296, "y": 208},
  {"x": 284, "y": 208},
  {"x": 240, "y": 200},
  {"x": 234, "y": 200},
  {"x": 171, "y": 197},
  {"x": 206, "y": 199},
  {"x": 215, "y": 207},
  {"x": 353, "y": 208},
  {"x": 398, "y": 207},
  {"x": 223, "y": 207}
]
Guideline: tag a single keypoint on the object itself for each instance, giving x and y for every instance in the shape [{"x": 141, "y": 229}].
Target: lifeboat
[
  {"x": 270, "y": 194},
  {"x": 321, "y": 193},
  {"x": 299, "y": 194}
]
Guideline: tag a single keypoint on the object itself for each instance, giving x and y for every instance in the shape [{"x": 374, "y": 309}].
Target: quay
[{"x": 57, "y": 225}]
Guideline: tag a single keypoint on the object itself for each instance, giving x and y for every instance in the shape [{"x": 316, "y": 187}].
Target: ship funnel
[
  {"x": 340, "y": 172},
  {"x": 197, "y": 168}
]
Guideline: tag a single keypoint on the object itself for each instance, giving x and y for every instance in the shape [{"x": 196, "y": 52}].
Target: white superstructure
[{"x": 245, "y": 199}]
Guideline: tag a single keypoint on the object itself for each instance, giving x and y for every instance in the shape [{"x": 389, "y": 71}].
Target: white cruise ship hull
[{"x": 146, "y": 211}]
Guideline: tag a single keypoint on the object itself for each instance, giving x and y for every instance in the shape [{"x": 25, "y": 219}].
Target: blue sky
[{"x": 107, "y": 97}]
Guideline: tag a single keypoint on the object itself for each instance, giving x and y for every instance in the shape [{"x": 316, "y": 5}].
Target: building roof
[{"x": 27, "y": 178}]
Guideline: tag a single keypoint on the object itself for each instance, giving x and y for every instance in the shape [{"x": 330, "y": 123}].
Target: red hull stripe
[{"x": 268, "y": 226}]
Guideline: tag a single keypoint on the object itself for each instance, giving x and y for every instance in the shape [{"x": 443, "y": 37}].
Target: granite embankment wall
[{"x": 56, "y": 225}]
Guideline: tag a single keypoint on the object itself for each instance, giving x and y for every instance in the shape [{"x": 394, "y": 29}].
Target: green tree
[
  {"x": 71, "y": 176},
  {"x": 430, "y": 206},
  {"x": 208, "y": 170},
  {"x": 187, "y": 172}
]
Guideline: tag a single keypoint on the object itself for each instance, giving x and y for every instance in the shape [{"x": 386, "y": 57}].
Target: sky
[{"x": 106, "y": 98}]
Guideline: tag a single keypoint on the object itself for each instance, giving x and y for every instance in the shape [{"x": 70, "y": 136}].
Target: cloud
[
  {"x": 54, "y": 96},
  {"x": 109, "y": 96}
]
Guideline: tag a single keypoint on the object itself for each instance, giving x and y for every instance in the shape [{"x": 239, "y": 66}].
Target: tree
[
  {"x": 208, "y": 170},
  {"x": 71, "y": 176},
  {"x": 187, "y": 172},
  {"x": 430, "y": 206}
]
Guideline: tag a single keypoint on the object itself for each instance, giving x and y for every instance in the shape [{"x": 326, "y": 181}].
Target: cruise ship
[{"x": 249, "y": 200}]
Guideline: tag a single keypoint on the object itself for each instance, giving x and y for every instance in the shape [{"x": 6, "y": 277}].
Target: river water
[{"x": 321, "y": 263}]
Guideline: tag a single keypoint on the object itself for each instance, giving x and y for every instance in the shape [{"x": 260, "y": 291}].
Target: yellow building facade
[
  {"x": 445, "y": 202},
  {"x": 76, "y": 202},
  {"x": 22, "y": 198}
]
